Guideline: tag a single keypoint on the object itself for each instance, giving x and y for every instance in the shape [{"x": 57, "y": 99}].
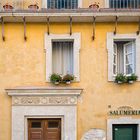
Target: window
[
  {"x": 123, "y": 54},
  {"x": 62, "y": 54},
  {"x": 62, "y": 57},
  {"x": 124, "y": 3},
  {"x": 124, "y": 132},
  {"x": 124, "y": 57},
  {"x": 62, "y": 4}
]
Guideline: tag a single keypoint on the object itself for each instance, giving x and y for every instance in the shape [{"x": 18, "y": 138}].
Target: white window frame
[
  {"x": 110, "y": 40},
  {"x": 106, "y": 3},
  {"x": 123, "y": 120},
  {"x": 44, "y": 3},
  {"x": 76, "y": 37}
]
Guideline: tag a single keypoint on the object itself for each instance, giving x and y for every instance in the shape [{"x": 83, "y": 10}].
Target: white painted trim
[
  {"x": 125, "y": 120},
  {"x": 106, "y": 3},
  {"x": 21, "y": 113},
  {"x": 76, "y": 37},
  {"x": 110, "y": 38},
  {"x": 44, "y": 3}
]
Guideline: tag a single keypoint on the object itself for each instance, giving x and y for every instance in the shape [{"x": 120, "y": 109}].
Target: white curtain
[{"x": 62, "y": 57}]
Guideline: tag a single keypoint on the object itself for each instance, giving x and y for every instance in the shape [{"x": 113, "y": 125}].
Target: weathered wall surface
[{"x": 23, "y": 64}]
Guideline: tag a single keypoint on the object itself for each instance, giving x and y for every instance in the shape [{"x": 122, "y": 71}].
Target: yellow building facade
[{"x": 105, "y": 42}]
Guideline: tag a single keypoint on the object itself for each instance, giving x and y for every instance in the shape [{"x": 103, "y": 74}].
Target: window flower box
[
  {"x": 55, "y": 79},
  {"x": 68, "y": 78},
  {"x": 121, "y": 78}
]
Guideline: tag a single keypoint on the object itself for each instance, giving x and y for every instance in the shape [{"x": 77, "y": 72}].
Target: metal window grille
[
  {"x": 62, "y": 4},
  {"x": 133, "y": 4}
]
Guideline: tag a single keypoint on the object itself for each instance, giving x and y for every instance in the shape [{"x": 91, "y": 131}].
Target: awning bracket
[
  {"x": 2, "y": 23},
  {"x": 24, "y": 22},
  {"x": 70, "y": 25},
  {"x": 116, "y": 24},
  {"x": 94, "y": 24},
  {"x": 138, "y": 32},
  {"x": 48, "y": 25}
]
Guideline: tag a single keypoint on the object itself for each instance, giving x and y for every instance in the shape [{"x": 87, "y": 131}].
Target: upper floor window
[
  {"x": 62, "y": 4},
  {"x": 124, "y": 57},
  {"x": 124, "y": 4},
  {"x": 62, "y": 54}
]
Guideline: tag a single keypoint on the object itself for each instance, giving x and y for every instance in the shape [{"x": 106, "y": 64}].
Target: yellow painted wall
[{"x": 23, "y": 64}]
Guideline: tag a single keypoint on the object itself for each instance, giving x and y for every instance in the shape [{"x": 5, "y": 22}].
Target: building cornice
[{"x": 78, "y": 15}]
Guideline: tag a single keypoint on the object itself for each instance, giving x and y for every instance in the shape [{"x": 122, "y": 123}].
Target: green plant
[
  {"x": 55, "y": 78},
  {"x": 68, "y": 77},
  {"x": 132, "y": 77},
  {"x": 120, "y": 78}
]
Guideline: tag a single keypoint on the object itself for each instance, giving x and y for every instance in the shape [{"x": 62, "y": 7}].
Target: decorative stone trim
[
  {"x": 42, "y": 100},
  {"x": 44, "y": 96},
  {"x": 36, "y": 102}
]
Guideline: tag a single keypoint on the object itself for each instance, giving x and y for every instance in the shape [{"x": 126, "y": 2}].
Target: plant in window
[
  {"x": 33, "y": 6},
  {"x": 68, "y": 78},
  {"x": 132, "y": 78},
  {"x": 55, "y": 78},
  {"x": 7, "y": 7},
  {"x": 94, "y": 6},
  {"x": 120, "y": 78}
]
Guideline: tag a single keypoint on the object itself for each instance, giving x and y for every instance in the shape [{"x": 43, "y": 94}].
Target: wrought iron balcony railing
[{"x": 124, "y": 4}]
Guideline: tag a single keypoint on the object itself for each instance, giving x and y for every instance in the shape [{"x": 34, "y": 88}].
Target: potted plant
[
  {"x": 94, "y": 6},
  {"x": 55, "y": 78},
  {"x": 132, "y": 78},
  {"x": 7, "y": 7},
  {"x": 120, "y": 78},
  {"x": 33, "y": 6},
  {"x": 68, "y": 78}
]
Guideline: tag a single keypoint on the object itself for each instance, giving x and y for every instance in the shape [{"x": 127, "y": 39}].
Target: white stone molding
[
  {"x": 44, "y": 3},
  {"x": 94, "y": 134},
  {"x": 44, "y": 103},
  {"x": 123, "y": 120},
  {"x": 106, "y": 4},
  {"x": 110, "y": 38},
  {"x": 76, "y": 37}
]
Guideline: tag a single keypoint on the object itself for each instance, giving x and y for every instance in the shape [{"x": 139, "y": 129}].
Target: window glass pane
[
  {"x": 62, "y": 57},
  {"x": 129, "y": 59},
  {"x": 129, "y": 69},
  {"x": 114, "y": 69},
  {"x": 53, "y": 124},
  {"x": 128, "y": 49},
  {"x": 115, "y": 59},
  {"x": 36, "y": 124}
]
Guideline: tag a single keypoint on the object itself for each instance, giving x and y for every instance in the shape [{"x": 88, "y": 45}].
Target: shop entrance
[
  {"x": 44, "y": 129},
  {"x": 125, "y": 132}
]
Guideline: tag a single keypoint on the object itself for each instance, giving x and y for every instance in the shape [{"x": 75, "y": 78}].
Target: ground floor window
[{"x": 124, "y": 132}]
